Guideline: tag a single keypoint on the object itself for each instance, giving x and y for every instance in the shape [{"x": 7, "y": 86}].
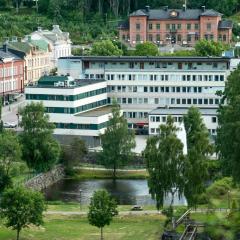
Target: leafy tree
[
  {"x": 102, "y": 209},
  {"x": 146, "y": 49},
  {"x": 40, "y": 150},
  {"x": 117, "y": 141},
  {"x": 165, "y": 163},
  {"x": 5, "y": 180},
  {"x": 10, "y": 150},
  {"x": 105, "y": 48},
  {"x": 209, "y": 48},
  {"x": 228, "y": 132},
  {"x": 199, "y": 148},
  {"x": 21, "y": 207},
  {"x": 74, "y": 152},
  {"x": 1, "y": 122}
]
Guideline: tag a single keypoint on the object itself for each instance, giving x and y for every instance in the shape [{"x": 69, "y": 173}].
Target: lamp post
[
  {"x": 228, "y": 195},
  {"x": 80, "y": 196}
]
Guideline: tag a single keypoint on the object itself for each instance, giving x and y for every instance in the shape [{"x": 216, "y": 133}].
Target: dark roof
[
  {"x": 225, "y": 24},
  {"x": 147, "y": 59},
  {"x": 4, "y": 54},
  {"x": 123, "y": 25},
  {"x": 188, "y": 14}
]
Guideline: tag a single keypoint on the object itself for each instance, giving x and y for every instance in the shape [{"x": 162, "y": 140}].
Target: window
[
  {"x": 158, "y": 37},
  {"x": 158, "y": 26},
  {"x": 179, "y": 37},
  {"x": 138, "y": 26},
  {"x": 189, "y": 38},
  {"x": 214, "y": 119},
  {"x": 196, "y": 26},
  {"x": 150, "y": 37},
  {"x": 168, "y": 26},
  {"x": 189, "y": 26},
  {"x": 179, "y": 26},
  {"x": 150, "y": 26},
  {"x": 209, "y": 26},
  {"x": 131, "y": 65},
  {"x": 224, "y": 38},
  {"x": 138, "y": 38}
]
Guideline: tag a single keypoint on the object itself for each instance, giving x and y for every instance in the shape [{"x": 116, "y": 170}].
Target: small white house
[{"x": 60, "y": 42}]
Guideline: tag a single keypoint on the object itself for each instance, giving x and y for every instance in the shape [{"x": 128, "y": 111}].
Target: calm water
[{"x": 126, "y": 192}]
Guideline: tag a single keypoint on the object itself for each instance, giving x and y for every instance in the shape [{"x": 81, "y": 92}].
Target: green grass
[
  {"x": 107, "y": 174},
  {"x": 56, "y": 227}
]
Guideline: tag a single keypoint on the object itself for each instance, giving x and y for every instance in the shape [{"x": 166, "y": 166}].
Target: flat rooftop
[
  {"x": 181, "y": 111},
  {"x": 96, "y": 112}
]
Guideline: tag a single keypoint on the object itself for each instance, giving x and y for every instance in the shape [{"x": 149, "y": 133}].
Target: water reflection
[{"x": 126, "y": 192}]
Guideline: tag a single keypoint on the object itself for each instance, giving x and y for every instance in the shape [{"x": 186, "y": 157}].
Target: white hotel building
[
  {"x": 76, "y": 107},
  {"x": 142, "y": 84}
]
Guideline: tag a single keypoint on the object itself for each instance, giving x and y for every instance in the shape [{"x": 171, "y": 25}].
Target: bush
[
  {"x": 220, "y": 187},
  {"x": 203, "y": 199}
]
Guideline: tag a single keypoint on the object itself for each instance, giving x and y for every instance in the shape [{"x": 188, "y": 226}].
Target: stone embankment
[{"x": 44, "y": 180}]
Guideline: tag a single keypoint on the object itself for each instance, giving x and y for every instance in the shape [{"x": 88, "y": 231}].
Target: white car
[{"x": 9, "y": 125}]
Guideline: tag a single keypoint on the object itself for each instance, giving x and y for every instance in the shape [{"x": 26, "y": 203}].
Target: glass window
[
  {"x": 189, "y": 26},
  {"x": 150, "y": 26},
  {"x": 209, "y": 26},
  {"x": 138, "y": 26},
  {"x": 158, "y": 26}
]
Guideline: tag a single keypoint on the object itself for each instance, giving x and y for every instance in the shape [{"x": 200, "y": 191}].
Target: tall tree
[
  {"x": 21, "y": 207},
  {"x": 228, "y": 140},
  {"x": 199, "y": 149},
  {"x": 165, "y": 163},
  {"x": 117, "y": 141},
  {"x": 102, "y": 209},
  {"x": 105, "y": 48},
  {"x": 10, "y": 150},
  {"x": 40, "y": 150}
]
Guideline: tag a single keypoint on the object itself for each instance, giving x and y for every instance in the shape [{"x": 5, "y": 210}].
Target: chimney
[
  {"x": 147, "y": 8},
  {"x": 39, "y": 29},
  {"x": 56, "y": 27},
  {"x": 5, "y": 47},
  {"x": 184, "y": 7},
  {"x": 165, "y": 8},
  {"x": 203, "y": 8}
]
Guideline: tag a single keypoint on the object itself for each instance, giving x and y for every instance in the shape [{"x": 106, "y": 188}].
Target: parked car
[
  {"x": 136, "y": 208},
  {"x": 9, "y": 125}
]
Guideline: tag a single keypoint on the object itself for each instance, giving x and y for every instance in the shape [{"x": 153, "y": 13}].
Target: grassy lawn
[
  {"x": 107, "y": 174},
  {"x": 77, "y": 228}
]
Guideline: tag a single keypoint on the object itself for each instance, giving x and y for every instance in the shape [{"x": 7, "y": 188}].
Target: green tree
[
  {"x": 146, "y": 49},
  {"x": 1, "y": 121},
  {"x": 102, "y": 209},
  {"x": 105, "y": 48},
  {"x": 165, "y": 163},
  {"x": 40, "y": 150},
  {"x": 10, "y": 150},
  {"x": 5, "y": 180},
  {"x": 21, "y": 207},
  {"x": 228, "y": 132},
  {"x": 117, "y": 141},
  {"x": 209, "y": 48},
  {"x": 74, "y": 153},
  {"x": 199, "y": 149}
]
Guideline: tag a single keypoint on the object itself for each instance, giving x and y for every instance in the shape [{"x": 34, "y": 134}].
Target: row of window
[
  {"x": 81, "y": 126},
  {"x": 39, "y": 61},
  {"x": 174, "y": 26},
  {"x": 10, "y": 71},
  {"x": 176, "y": 119},
  {"x": 164, "y": 77},
  {"x": 65, "y": 97},
  {"x": 170, "y": 101},
  {"x": 7, "y": 86},
  {"x": 162, "y": 89},
  {"x": 77, "y": 109},
  {"x": 157, "y": 130}
]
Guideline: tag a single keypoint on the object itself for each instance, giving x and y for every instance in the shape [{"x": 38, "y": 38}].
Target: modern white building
[
  {"x": 142, "y": 84},
  {"x": 76, "y": 107},
  {"x": 159, "y": 116},
  {"x": 60, "y": 42}
]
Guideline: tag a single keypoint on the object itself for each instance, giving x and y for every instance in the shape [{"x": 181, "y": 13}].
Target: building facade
[
  {"x": 175, "y": 26},
  {"x": 60, "y": 42},
  {"x": 36, "y": 55},
  {"x": 76, "y": 107},
  {"x": 11, "y": 74},
  {"x": 142, "y": 84}
]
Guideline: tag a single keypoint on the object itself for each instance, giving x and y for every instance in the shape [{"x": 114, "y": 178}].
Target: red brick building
[
  {"x": 175, "y": 26},
  {"x": 11, "y": 74}
]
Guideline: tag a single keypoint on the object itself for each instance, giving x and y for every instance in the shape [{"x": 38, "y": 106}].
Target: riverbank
[{"x": 100, "y": 173}]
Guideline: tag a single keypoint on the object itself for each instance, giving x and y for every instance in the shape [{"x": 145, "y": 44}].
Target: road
[{"x": 9, "y": 112}]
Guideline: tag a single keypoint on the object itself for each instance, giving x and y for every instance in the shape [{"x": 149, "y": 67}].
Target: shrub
[{"x": 220, "y": 187}]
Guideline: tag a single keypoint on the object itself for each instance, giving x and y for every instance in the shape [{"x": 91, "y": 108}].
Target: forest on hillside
[{"x": 87, "y": 19}]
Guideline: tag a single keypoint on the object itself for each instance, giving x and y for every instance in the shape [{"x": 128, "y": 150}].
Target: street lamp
[
  {"x": 228, "y": 195},
  {"x": 80, "y": 198}
]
